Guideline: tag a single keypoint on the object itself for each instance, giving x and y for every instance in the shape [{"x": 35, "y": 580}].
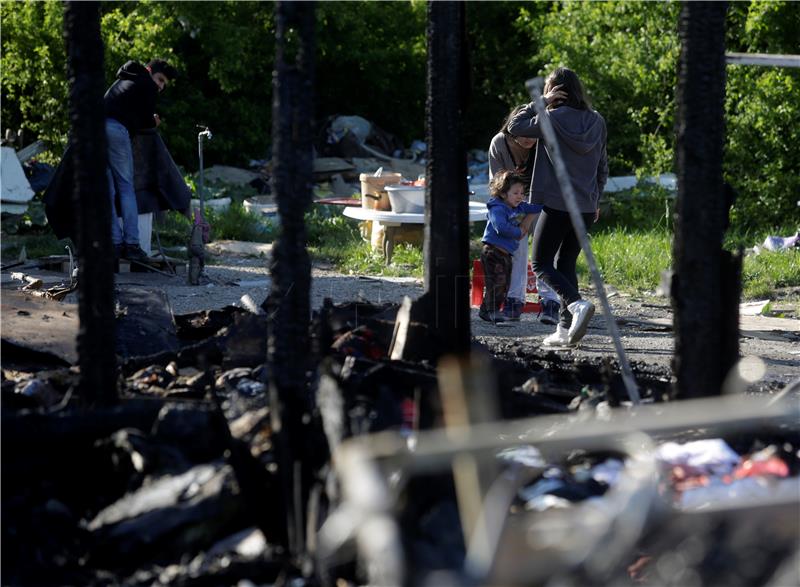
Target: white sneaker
[
  {"x": 560, "y": 338},
  {"x": 582, "y": 312}
]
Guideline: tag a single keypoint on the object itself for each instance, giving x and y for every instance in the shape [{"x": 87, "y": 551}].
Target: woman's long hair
[{"x": 571, "y": 84}]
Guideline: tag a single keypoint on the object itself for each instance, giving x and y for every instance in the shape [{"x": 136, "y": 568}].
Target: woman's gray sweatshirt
[{"x": 582, "y": 138}]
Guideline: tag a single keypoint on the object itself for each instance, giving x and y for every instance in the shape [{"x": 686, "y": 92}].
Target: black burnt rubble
[{"x": 180, "y": 482}]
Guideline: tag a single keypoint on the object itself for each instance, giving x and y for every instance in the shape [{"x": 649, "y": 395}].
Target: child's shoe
[{"x": 493, "y": 317}]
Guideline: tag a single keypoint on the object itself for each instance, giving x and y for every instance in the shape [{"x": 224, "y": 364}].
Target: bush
[{"x": 371, "y": 61}]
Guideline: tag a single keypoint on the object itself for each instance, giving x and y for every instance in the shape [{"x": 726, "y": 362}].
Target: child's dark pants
[{"x": 497, "y": 273}]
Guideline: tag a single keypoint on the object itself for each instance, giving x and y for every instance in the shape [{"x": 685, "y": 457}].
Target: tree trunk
[
  {"x": 95, "y": 341},
  {"x": 288, "y": 304},
  {"x": 446, "y": 210},
  {"x": 705, "y": 288}
]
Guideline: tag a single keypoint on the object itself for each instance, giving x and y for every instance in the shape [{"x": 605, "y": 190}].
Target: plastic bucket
[{"x": 373, "y": 190}]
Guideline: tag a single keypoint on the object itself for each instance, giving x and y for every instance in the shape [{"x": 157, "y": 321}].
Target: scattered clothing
[
  {"x": 157, "y": 180},
  {"x": 779, "y": 243}
]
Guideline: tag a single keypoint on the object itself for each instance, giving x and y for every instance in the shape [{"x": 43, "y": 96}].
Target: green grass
[
  {"x": 629, "y": 260},
  {"x": 336, "y": 239},
  {"x": 40, "y": 244},
  {"x": 633, "y": 261},
  {"x": 632, "y": 243},
  {"x": 765, "y": 272}
]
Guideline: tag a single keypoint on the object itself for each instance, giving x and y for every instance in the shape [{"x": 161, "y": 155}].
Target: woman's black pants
[{"x": 555, "y": 251}]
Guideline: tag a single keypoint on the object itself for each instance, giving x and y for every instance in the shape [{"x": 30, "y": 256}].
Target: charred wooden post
[
  {"x": 446, "y": 209},
  {"x": 288, "y": 304},
  {"x": 705, "y": 288},
  {"x": 96, "y": 348}
]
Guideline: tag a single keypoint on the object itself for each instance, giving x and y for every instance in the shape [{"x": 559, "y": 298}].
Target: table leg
[{"x": 388, "y": 244}]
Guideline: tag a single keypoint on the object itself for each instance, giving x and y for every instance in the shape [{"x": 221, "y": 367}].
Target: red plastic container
[{"x": 479, "y": 283}]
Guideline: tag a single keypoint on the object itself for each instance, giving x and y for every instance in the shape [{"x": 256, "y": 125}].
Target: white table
[{"x": 392, "y": 220}]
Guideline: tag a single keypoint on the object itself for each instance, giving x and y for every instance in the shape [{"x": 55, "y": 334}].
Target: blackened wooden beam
[
  {"x": 96, "y": 349},
  {"x": 705, "y": 287},
  {"x": 288, "y": 304},
  {"x": 446, "y": 207}
]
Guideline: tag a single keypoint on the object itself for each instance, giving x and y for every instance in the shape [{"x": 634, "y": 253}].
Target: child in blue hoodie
[{"x": 501, "y": 238}]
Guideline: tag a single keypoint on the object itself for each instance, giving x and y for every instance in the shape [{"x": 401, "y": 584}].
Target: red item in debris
[
  {"x": 774, "y": 466},
  {"x": 409, "y": 417},
  {"x": 477, "y": 283},
  {"x": 640, "y": 571},
  {"x": 200, "y": 222},
  {"x": 359, "y": 343},
  {"x": 683, "y": 477}
]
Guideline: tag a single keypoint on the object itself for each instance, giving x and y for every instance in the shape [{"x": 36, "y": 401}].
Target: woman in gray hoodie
[{"x": 582, "y": 136}]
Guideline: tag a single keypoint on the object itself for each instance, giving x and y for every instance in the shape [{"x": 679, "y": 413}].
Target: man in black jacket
[{"x": 130, "y": 105}]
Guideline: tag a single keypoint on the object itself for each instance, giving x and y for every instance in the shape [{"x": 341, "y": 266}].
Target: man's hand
[
  {"x": 597, "y": 214},
  {"x": 157, "y": 118}
]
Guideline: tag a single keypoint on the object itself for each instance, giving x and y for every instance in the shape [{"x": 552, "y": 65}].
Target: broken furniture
[{"x": 387, "y": 224}]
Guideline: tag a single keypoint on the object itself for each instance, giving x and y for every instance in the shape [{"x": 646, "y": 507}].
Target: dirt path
[
  {"x": 770, "y": 346},
  {"x": 645, "y": 322}
]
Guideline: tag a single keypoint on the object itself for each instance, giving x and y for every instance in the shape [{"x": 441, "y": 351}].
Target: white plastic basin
[{"x": 406, "y": 198}]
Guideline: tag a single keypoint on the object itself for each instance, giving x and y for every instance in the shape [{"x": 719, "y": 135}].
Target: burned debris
[
  {"x": 181, "y": 483},
  {"x": 364, "y": 444}
]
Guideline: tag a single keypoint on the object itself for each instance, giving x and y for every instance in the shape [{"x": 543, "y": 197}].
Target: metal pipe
[
  {"x": 205, "y": 133},
  {"x": 550, "y": 434},
  {"x": 534, "y": 86}
]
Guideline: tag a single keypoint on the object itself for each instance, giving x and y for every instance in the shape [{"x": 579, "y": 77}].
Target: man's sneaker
[
  {"x": 133, "y": 253},
  {"x": 512, "y": 309},
  {"x": 560, "y": 338},
  {"x": 582, "y": 312},
  {"x": 493, "y": 317},
  {"x": 549, "y": 312},
  {"x": 117, "y": 252}
]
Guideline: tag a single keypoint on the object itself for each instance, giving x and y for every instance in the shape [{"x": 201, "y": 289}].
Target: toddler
[{"x": 501, "y": 238}]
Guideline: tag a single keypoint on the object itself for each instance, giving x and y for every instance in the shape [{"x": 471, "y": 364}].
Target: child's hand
[{"x": 526, "y": 224}]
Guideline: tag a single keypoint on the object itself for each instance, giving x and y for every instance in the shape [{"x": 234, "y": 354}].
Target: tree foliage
[
  {"x": 34, "y": 83},
  {"x": 371, "y": 62},
  {"x": 626, "y": 53},
  {"x": 762, "y": 160}
]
